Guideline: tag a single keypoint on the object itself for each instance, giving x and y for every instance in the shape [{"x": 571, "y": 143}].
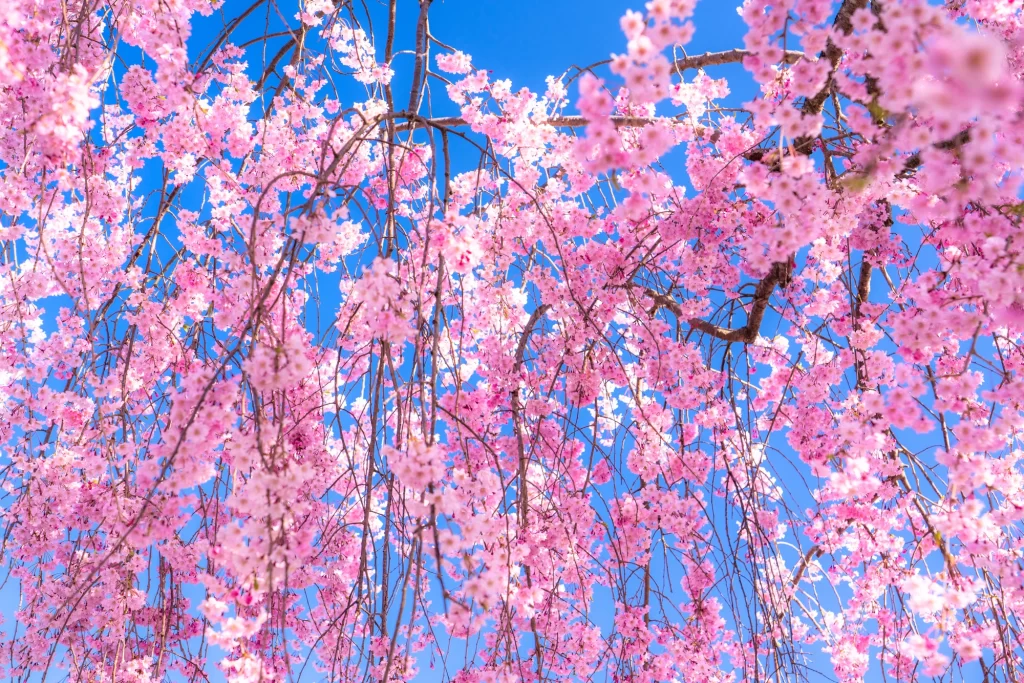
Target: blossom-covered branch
[{"x": 327, "y": 352}]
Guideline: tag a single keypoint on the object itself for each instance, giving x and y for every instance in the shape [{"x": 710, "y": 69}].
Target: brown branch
[
  {"x": 914, "y": 161},
  {"x": 537, "y": 314},
  {"x": 780, "y": 274},
  {"x": 740, "y": 334},
  {"x": 834, "y": 54},
  {"x": 693, "y": 62},
  {"x": 517, "y": 408},
  {"x": 444, "y": 122},
  {"x": 422, "y": 52},
  {"x": 663, "y": 301},
  {"x": 813, "y": 553},
  {"x": 863, "y": 288},
  {"x": 726, "y": 57},
  {"x": 517, "y": 405}
]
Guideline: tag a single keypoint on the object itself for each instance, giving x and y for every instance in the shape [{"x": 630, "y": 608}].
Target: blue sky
[{"x": 531, "y": 39}]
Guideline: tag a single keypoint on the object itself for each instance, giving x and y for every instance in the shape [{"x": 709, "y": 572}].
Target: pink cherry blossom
[{"x": 327, "y": 352}]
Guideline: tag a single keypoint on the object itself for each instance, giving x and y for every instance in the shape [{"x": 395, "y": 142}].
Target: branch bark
[
  {"x": 422, "y": 51},
  {"x": 914, "y": 161},
  {"x": 834, "y": 54},
  {"x": 726, "y": 57},
  {"x": 684, "y": 63},
  {"x": 517, "y": 405},
  {"x": 780, "y": 274},
  {"x": 444, "y": 122},
  {"x": 517, "y": 408},
  {"x": 537, "y": 314}
]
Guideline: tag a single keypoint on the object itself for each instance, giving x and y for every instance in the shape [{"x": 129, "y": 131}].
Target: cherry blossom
[{"x": 328, "y": 351}]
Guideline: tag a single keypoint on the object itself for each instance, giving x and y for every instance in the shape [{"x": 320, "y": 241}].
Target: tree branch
[
  {"x": 556, "y": 121},
  {"x": 834, "y": 54},
  {"x": 537, "y": 314},
  {"x": 780, "y": 274},
  {"x": 422, "y": 51},
  {"x": 914, "y": 161},
  {"x": 517, "y": 404},
  {"x": 692, "y": 62},
  {"x": 726, "y": 57},
  {"x": 517, "y": 408}
]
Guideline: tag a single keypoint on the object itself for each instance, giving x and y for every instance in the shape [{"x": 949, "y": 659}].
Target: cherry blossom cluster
[{"x": 326, "y": 352}]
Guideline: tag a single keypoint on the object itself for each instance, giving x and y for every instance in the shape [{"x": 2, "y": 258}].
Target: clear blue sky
[{"x": 527, "y": 40}]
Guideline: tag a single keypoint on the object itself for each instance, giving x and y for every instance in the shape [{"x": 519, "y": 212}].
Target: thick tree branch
[
  {"x": 663, "y": 301},
  {"x": 556, "y": 121},
  {"x": 537, "y": 314},
  {"x": 726, "y": 57},
  {"x": 422, "y": 52},
  {"x": 517, "y": 407},
  {"x": 517, "y": 404},
  {"x": 780, "y": 274},
  {"x": 834, "y": 54},
  {"x": 863, "y": 288},
  {"x": 692, "y": 62},
  {"x": 914, "y": 161}
]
